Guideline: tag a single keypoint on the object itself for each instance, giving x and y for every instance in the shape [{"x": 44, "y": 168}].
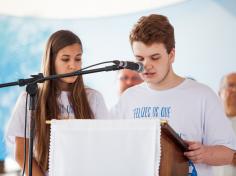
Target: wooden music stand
[{"x": 173, "y": 162}]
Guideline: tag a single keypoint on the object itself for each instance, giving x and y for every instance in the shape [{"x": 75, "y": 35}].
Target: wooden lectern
[
  {"x": 172, "y": 159},
  {"x": 173, "y": 162}
]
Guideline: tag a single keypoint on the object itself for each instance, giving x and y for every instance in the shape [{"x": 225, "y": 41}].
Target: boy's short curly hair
[{"x": 154, "y": 29}]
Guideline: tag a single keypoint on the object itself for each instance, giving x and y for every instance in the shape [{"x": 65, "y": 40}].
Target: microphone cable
[
  {"x": 25, "y": 141},
  {"x": 43, "y": 78}
]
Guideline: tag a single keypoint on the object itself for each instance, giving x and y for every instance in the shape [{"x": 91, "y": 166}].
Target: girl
[{"x": 57, "y": 99}]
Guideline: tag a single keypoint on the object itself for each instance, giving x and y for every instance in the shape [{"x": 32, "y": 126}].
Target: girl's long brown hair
[{"x": 48, "y": 106}]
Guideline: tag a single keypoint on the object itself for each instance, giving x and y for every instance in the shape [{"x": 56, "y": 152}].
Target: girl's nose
[{"x": 72, "y": 65}]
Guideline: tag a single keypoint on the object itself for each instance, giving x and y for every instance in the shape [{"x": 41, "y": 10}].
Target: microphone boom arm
[{"x": 40, "y": 78}]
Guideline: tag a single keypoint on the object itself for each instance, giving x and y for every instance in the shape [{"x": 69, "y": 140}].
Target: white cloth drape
[{"x": 104, "y": 148}]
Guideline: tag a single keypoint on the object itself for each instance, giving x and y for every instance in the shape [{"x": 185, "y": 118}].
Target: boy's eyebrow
[{"x": 155, "y": 54}]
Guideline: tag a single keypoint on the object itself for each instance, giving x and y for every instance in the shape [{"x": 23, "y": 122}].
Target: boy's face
[{"x": 157, "y": 63}]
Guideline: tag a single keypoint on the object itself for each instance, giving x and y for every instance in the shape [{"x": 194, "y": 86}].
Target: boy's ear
[{"x": 172, "y": 55}]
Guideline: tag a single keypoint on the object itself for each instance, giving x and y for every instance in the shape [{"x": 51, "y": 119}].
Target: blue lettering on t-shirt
[
  {"x": 152, "y": 112},
  {"x": 68, "y": 110},
  {"x": 143, "y": 112},
  {"x": 165, "y": 112},
  {"x": 136, "y": 112},
  {"x": 155, "y": 111}
]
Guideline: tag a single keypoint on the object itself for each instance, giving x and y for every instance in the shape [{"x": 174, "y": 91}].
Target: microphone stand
[
  {"x": 32, "y": 89},
  {"x": 80, "y": 72}
]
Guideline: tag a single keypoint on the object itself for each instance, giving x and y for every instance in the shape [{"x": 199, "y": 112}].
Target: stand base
[
  {"x": 2, "y": 163},
  {"x": 9, "y": 170}
]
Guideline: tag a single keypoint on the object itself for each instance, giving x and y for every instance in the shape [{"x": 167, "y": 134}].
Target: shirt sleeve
[
  {"x": 217, "y": 128},
  {"x": 118, "y": 111},
  {"x": 16, "y": 124},
  {"x": 98, "y": 105}
]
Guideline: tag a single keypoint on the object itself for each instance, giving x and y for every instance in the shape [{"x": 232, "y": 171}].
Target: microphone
[{"x": 129, "y": 65}]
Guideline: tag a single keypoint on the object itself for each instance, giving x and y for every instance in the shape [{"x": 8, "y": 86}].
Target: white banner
[{"x": 104, "y": 148}]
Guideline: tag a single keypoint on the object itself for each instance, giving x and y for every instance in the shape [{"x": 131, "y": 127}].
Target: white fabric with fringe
[{"x": 104, "y": 147}]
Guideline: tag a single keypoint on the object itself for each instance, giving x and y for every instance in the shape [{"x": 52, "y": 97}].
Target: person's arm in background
[
  {"x": 212, "y": 155},
  {"x": 19, "y": 156}
]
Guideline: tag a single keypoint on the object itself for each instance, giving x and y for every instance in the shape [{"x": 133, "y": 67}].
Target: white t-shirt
[
  {"x": 233, "y": 121},
  {"x": 192, "y": 109},
  {"x": 17, "y": 120}
]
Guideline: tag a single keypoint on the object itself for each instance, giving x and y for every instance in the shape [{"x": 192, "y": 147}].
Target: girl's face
[{"x": 68, "y": 59}]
